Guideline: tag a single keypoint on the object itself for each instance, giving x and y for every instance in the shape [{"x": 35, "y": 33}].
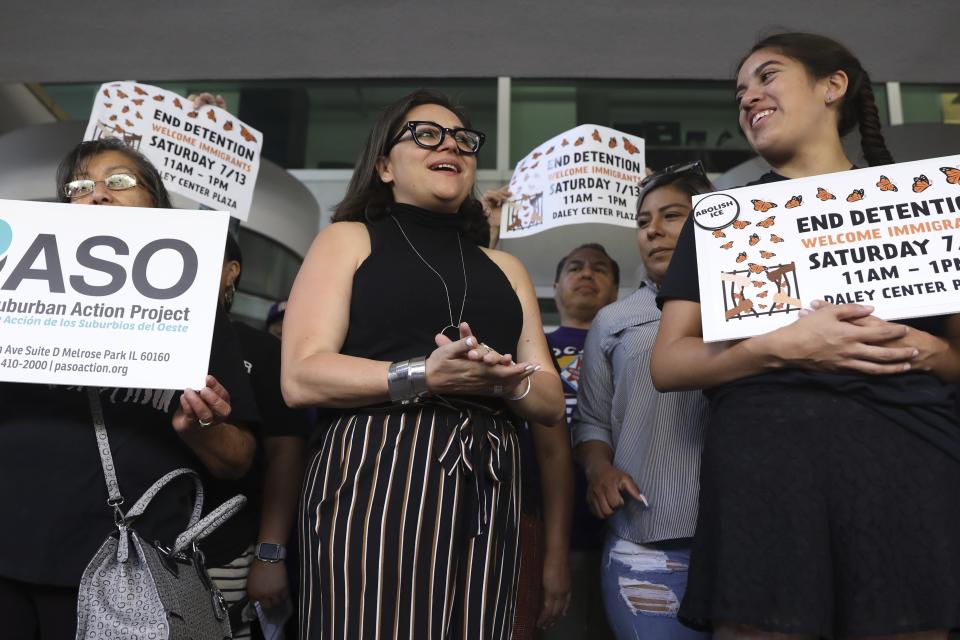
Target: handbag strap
[
  {"x": 110, "y": 475},
  {"x": 209, "y": 524},
  {"x": 115, "y": 499},
  {"x": 141, "y": 505}
]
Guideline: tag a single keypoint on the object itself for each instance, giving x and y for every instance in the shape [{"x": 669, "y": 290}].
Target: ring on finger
[
  {"x": 487, "y": 347},
  {"x": 205, "y": 423}
]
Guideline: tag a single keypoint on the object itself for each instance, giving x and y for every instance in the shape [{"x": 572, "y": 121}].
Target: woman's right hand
[
  {"x": 827, "y": 339},
  {"x": 460, "y": 368}
]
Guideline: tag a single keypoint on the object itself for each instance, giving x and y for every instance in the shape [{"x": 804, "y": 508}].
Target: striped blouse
[{"x": 656, "y": 437}]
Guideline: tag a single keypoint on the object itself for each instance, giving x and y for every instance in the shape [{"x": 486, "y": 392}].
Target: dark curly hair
[
  {"x": 368, "y": 198},
  {"x": 75, "y": 163},
  {"x": 823, "y": 56}
]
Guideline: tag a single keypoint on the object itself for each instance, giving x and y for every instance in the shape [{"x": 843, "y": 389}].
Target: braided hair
[{"x": 822, "y": 56}]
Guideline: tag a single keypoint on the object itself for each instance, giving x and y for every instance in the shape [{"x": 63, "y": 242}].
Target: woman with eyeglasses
[
  {"x": 53, "y": 489},
  {"x": 830, "y": 480},
  {"x": 423, "y": 346}
]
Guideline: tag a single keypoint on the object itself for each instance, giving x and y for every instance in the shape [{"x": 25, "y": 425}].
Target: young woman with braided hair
[{"x": 831, "y": 469}]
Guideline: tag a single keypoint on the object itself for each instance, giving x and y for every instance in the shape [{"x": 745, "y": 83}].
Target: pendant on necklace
[{"x": 454, "y": 334}]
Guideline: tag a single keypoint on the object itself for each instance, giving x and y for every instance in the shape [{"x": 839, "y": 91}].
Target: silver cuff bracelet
[{"x": 407, "y": 379}]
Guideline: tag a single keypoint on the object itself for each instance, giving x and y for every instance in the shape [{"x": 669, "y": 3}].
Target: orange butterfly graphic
[
  {"x": 719, "y": 234},
  {"x": 630, "y": 147},
  {"x": 825, "y": 195},
  {"x": 758, "y": 283},
  {"x": 158, "y": 98},
  {"x": 139, "y": 91},
  {"x": 113, "y": 118},
  {"x": 596, "y": 136},
  {"x": 564, "y": 143},
  {"x": 192, "y": 114},
  {"x": 953, "y": 175},
  {"x": 177, "y": 103},
  {"x": 762, "y": 306},
  {"x": 766, "y": 223},
  {"x": 779, "y": 305},
  {"x": 106, "y": 93},
  {"x": 211, "y": 116},
  {"x": 775, "y": 238},
  {"x": 533, "y": 166},
  {"x": 763, "y": 295},
  {"x": 762, "y": 206},
  {"x": 886, "y": 185},
  {"x": 756, "y": 268},
  {"x": 249, "y": 137},
  {"x": 125, "y": 109},
  {"x": 121, "y": 94},
  {"x": 536, "y": 155},
  {"x": 228, "y": 126},
  {"x": 548, "y": 151},
  {"x": 137, "y": 113},
  {"x": 118, "y": 129},
  {"x": 741, "y": 257},
  {"x": 754, "y": 239},
  {"x": 856, "y": 194},
  {"x": 767, "y": 254},
  {"x": 920, "y": 183},
  {"x": 138, "y": 101},
  {"x": 128, "y": 123},
  {"x": 108, "y": 105},
  {"x": 727, "y": 245},
  {"x": 794, "y": 202},
  {"x": 578, "y": 142},
  {"x": 740, "y": 224},
  {"x": 613, "y": 143}
]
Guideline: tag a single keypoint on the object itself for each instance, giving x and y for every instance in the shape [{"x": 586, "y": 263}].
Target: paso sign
[
  {"x": 204, "y": 154},
  {"x": 883, "y": 236},
  {"x": 108, "y": 296},
  {"x": 588, "y": 174}
]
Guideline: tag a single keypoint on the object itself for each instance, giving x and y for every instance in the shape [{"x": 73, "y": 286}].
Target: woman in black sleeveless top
[
  {"x": 411, "y": 498},
  {"x": 830, "y": 479}
]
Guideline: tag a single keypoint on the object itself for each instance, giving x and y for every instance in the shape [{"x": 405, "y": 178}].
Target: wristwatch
[{"x": 269, "y": 552}]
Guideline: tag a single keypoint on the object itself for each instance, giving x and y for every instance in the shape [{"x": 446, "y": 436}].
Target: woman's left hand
[
  {"x": 482, "y": 353},
  {"x": 928, "y": 346},
  {"x": 203, "y": 408},
  {"x": 556, "y": 589}
]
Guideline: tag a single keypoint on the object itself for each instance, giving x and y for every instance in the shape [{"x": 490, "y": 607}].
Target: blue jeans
[{"x": 642, "y": 588}]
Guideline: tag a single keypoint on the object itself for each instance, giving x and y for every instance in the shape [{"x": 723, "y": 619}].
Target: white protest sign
[
  {"x": 587, "y": 174},
  {"x": 207, "y": 154},
  {"x": 108, "y": 296},
  {"x": 883, "y": 236}
]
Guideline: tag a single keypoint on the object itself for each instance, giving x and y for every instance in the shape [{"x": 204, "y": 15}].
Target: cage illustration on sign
[
  {"x": 760, "y": 290},
  {"x": 524, "y": 212},
  {"x": 107, "y": 131}
]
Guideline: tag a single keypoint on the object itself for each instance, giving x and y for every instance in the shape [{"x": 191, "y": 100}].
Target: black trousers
[{"x": 37, "y": 612}]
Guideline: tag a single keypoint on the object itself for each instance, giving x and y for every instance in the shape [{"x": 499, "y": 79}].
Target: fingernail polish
[
  {"x": 470, "y": 342},
  {"x": 529, "y": 367},
  {"x": 538, "y": 367}
]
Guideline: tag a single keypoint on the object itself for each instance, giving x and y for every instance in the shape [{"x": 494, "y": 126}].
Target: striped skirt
[{"x": 409, "y": 521}]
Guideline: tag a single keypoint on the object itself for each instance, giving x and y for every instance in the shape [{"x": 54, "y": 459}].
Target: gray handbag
[{"x": 135, "y": 590}]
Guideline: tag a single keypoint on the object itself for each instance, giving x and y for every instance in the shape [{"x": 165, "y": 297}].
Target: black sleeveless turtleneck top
[{"x": 398, "y": 304}]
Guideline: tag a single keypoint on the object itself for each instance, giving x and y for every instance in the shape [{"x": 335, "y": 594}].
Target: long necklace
[{"x": 446, "y": 289}]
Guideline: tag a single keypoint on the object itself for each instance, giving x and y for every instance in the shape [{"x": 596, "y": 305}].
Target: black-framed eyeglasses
[
  {"x": 80, "y": 188},
  {"x": 430, "y": 135}
]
